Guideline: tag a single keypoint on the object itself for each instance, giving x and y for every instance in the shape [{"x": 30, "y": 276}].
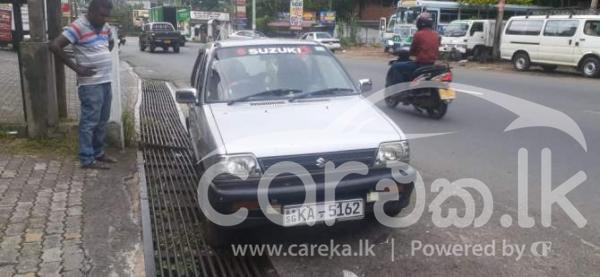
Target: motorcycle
[{"x": 433, "y": 101}]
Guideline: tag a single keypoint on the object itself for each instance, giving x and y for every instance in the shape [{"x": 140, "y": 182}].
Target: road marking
[
  {"x": 593, "y": 112},
  {"x": 426, "y": 135},
  {"x": 597, "y": 248}
]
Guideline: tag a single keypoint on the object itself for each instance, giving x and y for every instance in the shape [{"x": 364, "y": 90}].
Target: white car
[
  {"x": 324, "y": 38},
  {"x": 246, "y": 34},
  {"x": 257, "y": 104},
  {"x": 550, "y": 41}
]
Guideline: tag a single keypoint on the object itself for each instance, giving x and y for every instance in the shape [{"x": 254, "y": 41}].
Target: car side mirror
[
  {"x": 365, "y": 85},
  {"x": 185, "y": 95}
]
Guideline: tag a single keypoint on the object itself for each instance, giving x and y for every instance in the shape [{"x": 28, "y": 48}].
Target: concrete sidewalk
[{"x": 59, "y": 220}]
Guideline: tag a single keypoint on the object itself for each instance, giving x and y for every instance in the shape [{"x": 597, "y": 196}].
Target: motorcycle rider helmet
[{"x": 424, "y": 21}]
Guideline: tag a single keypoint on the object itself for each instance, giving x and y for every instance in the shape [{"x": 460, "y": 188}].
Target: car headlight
[
  {"x": 392, "y": 152},
  {"x": 241, "y": 164},
  {"x": 390, "y": 42}
]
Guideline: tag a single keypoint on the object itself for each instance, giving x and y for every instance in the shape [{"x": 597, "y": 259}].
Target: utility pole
[
  {"x": 499, "y": 19},
  {"x": 54, "y": 30},
  {"x": 594, "y": 4},
  {"x": 253, "y": 14},
  {"x": 37, "y": 67}
]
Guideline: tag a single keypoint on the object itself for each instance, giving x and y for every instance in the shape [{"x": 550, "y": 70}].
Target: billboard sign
[
  {"x": 5, "y": 25},
  {"x": 296, "y": 14}
]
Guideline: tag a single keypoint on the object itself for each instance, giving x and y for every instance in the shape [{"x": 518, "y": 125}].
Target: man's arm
[
  {"x": 414, "y": 46},
  {"x": 57, "y": 47}
]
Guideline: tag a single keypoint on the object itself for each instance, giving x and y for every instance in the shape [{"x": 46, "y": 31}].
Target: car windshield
[
  {"x": 275, "y": 72},
  {"x": 456, "y": 29},
  {"x": 323, "y": 35}
]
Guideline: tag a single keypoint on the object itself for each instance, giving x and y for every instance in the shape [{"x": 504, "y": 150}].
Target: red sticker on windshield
[{"x": 241, "y": 51}]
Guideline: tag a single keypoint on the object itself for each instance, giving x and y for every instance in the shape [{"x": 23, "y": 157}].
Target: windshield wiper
[
  {"x": 309, "y": 93},
  {"x": 266, "y": 92}
]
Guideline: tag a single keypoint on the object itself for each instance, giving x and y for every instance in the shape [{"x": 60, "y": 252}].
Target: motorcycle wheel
[
  {"x": 391, "y": 102},
  {"x": 439, "y": 111}
]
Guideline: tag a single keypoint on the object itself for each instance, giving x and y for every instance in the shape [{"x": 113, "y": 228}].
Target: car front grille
[{"x": 310, "y": 161}]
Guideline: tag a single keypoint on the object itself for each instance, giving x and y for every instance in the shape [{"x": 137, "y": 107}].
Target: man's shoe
[
  {"x": 95, "y": 166},
  {"x": 106, "y": 159}
]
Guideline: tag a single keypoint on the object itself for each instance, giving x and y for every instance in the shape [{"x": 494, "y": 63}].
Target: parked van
[
  {"x": 469, "y": 37},
  {"x": 550, "y": 41}
]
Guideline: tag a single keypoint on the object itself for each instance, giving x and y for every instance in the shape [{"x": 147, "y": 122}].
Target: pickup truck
[{"x": 160, "y": 34}]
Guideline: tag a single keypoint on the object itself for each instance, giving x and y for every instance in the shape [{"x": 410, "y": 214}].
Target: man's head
[
  {"x": 424, "y": 21},
  {"x": 98, "y": 11}
]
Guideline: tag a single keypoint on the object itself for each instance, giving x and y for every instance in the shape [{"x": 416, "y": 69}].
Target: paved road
[{"x": 476, "y": 147}]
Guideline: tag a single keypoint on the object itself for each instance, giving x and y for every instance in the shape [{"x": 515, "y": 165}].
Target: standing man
[{"x": 92, "y": 42}]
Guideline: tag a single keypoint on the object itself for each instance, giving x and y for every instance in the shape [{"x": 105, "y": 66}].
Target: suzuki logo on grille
[{"x": 321, "y": 162}]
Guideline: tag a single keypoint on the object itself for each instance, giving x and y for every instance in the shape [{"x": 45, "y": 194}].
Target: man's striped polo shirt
[{"x": 90, "y": 46}]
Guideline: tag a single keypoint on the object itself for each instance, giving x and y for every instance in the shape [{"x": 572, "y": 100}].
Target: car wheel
[
  {"x": 176, "y": 48},
  {"x": 391, "y": 102},
  {"x": 521, "y": 61},
  {"x": 439, "y": 111},
  {"x": 215, "y": 235},
  {"x": 591, "y": 67},
  {"x": 549, "y": 68},
  {"x": 152, "y": 48},
  {"x": 142, "y": 46},
  {"x": 386, "y": 49}
]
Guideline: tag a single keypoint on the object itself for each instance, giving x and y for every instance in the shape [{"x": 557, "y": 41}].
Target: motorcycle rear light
[{"x": 447, "y": 77}]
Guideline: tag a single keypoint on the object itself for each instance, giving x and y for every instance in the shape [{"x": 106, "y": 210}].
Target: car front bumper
[{"x": 227, "y": 196}]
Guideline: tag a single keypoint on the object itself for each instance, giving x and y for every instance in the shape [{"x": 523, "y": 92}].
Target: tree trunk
[
  {"x": 594, "y": 4},
  {"x": 497, "y": 34}
]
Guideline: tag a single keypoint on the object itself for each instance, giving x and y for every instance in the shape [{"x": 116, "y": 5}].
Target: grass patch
[
  {"x": 127, "y": 119},
  {"x": 62, "y": 146}
]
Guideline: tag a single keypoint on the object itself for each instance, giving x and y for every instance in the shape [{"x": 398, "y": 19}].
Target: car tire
[
  {"x": 386, "y": 49},
  {"x": 478, "y": 54},
  {"x": 215, "y": 235},
  {"x": 439, "y": 111},
  {"x": 152, "y": 48},
  {"x": 521, "y": 61},
  {"x": 549, "y": 68},
  {"x": 176, "y": 48},
  {"x": 590, "y": 67},
  {"x": 142, "y": 47}
]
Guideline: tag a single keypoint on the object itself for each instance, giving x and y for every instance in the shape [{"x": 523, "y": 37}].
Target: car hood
[{"x": 277, "y": 128}]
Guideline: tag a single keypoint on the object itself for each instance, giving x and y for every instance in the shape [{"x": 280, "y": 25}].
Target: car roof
[
  {"x": 556, "y": 17},
  {"x": 261, "y": 42}
]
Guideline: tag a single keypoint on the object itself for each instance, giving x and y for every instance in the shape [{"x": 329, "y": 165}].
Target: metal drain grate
[{"x": 179, "y": 248}]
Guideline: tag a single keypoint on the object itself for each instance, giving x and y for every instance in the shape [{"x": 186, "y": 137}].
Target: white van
[
  {"x": 469, "y": 37},
  {"x": 550, "y": 41}
]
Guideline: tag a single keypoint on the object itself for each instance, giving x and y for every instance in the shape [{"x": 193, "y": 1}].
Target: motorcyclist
[{"x": 424, "y": 47}]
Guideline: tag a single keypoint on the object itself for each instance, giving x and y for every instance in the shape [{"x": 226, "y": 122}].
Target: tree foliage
[{"x": 494, "y": 2}]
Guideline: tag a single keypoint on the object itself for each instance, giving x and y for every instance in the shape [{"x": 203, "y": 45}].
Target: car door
[
  {"x": 196, "y": 119},
  {"x": 476, "y": 35},
  {"x": 588, "y": 40},
  {"x": 558, "y": 41},
  {"x": 522, "y": 35}
]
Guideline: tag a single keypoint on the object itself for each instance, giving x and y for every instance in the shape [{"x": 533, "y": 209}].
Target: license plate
[
  {"x": 317, "y": 212},
  {"x": 446, "y": 94},
  {"x": 167, "y": 41}
]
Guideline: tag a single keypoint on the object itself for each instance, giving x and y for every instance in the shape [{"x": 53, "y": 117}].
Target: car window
[
  {"x": 305, "y": 36},
  {"x": 592, "y": 28},
  {"x": 323, "y": 35},
  {"x": 197, "y": 63},
  {"x": 242, "y": 71},
  {"x": 525, "y": 27},
  {"x": 477, "y": 27},
  {"x": 561, "y": 28}
]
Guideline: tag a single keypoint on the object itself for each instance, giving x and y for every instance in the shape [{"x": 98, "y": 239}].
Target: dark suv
[{"x": 159, "y": 34}]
